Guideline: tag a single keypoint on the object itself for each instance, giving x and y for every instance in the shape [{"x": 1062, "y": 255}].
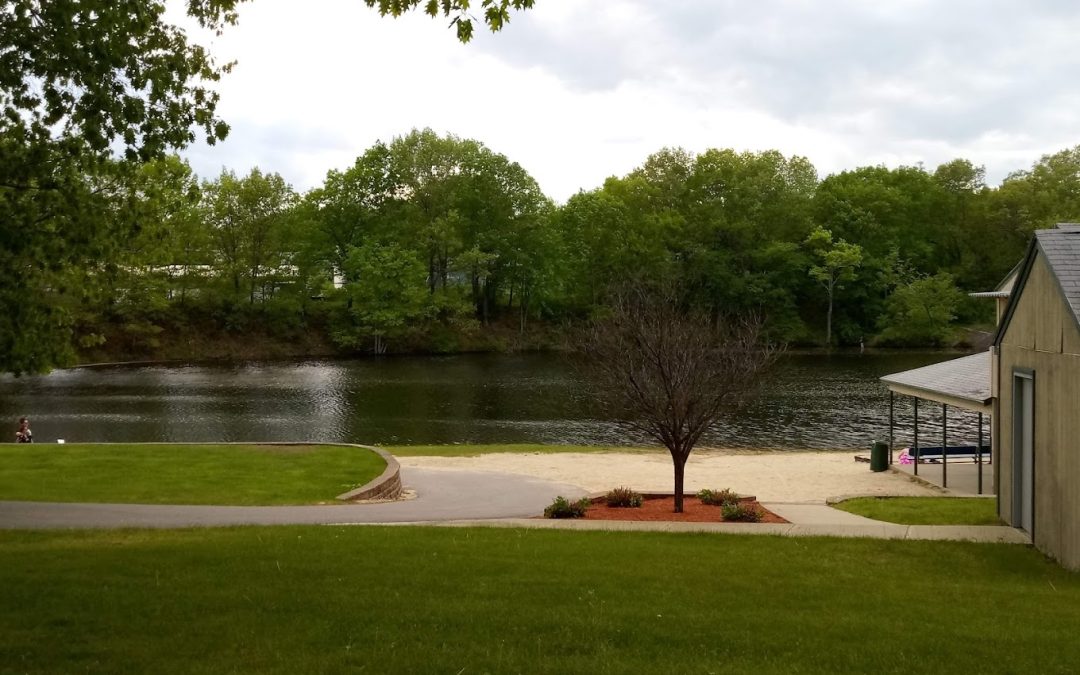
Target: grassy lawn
[
  {"x": 183, "y": 474},
  {"x": 925, "y": 510},
  {"x": 336, "y": 599},
  {"x": 471, "y": 450}
]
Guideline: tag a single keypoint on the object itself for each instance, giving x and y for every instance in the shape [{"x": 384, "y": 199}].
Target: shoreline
[{"x": 334, "y": 356}]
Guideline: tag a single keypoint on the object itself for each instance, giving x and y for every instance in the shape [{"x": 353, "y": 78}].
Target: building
[
  {"x": 1035, "y": 371},
  {"x": 1029, "y": 383}
]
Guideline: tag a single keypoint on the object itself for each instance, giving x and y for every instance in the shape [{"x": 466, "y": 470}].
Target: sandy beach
[{"x": 781, "y": 476}]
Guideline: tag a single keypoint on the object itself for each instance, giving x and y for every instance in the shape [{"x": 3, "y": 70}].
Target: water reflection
[{"x": 809, "y": 401}]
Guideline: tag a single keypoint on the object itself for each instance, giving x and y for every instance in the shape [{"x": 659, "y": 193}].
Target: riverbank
[
  {"x": 781, "y": 476},
  {"x": 191, "y": 341},
  {"x": 181, "y": 341}
]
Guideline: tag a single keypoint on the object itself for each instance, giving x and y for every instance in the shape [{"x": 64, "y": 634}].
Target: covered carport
[{"x": 960, "y": 383}]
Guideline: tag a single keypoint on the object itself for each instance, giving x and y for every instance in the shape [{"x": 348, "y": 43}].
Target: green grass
[
  {"x": 184, "y": 474},
  {"x": 431, "y": 600},
  {"x": 475, "y": 450},
  {"x": 925, "y": 510}
]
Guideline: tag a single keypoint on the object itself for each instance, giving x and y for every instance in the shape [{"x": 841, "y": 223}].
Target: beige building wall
[{"x": 1043, "y": 337}]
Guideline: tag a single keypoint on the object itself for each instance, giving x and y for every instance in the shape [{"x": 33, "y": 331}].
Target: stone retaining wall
[{"x": 386, "y": 486}]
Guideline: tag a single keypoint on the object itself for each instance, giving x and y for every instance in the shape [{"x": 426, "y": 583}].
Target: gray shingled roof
[
  {"x": 967, "y": 378},
  {"x": 1061, "y": 248}
]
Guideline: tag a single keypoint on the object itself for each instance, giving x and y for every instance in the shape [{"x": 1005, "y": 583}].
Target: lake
[{"x": 808, "y": 401}]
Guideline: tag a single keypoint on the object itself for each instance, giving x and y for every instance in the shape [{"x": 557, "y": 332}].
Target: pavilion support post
[
  {"x": 978, "y": 453},
  {"x": 891, "y": 397},
  {"x": 944, "y": 446},
  {"x": 916, "y": 447}
]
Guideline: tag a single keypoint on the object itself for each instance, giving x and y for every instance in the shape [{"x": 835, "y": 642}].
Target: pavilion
[{"x": 961, "y": 383}]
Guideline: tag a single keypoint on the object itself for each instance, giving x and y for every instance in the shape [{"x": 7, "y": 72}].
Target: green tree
[
  {"x": 837, "y": 262},
  {"x": 350, "y": 206},
  {"x": 748, "y": 214},
  {"x": 249, "y": 222},
  {"x": 80, "y": 81},
  {"x": 921, "y": 312},
  {"x": 387, "y": 296},
  {"x": 496, "y": 12},
  {"x": 167, "y": 260},
  {"x": 471, "y": 212}
]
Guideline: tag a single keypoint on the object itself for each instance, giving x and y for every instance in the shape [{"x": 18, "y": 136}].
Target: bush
[
  {"x": 564, "y": 508},
  {"x": 741, "y": 513},
  {"x": 718, "y": 497},
  {"x": 623, "y": 497}
]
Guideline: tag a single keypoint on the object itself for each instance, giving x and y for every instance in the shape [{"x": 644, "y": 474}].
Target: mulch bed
[{"x": 663, "y": 509}]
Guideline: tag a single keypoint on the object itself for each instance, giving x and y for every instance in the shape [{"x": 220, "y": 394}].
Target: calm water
[{"x": 809, "y": 401}]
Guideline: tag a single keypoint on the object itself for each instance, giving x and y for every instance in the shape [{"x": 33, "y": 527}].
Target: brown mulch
[{"x": 663, "y": 509}]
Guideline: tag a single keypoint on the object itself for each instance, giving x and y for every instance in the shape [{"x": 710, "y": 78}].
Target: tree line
[
  {"x": 110, "y": 246},
  {"x": 431, "y": 242}
]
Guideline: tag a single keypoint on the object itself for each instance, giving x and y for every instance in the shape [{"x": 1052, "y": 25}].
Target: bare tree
[{"x": 671, "y": 372}]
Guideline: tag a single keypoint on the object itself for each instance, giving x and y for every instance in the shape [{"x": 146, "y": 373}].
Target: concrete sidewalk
[
  {"x": 807, "y": 519},
  {"x": 982, "y": 534}
]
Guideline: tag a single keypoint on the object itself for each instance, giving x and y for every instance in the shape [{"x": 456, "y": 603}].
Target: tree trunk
[
  {"x": 680, "y": 468},
  {"x": 476, "y": 293},
  {"x": 484, "y": 295},
  {"x": 828, "y": 321}
]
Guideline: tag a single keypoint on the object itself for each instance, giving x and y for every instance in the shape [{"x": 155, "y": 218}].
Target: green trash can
[{"x": 879, "y": 456}]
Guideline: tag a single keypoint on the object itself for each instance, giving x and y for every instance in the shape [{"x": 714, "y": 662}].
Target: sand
[{"x": 781, "y": 476}]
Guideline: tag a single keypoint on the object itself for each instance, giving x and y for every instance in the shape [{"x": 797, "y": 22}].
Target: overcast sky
[{"x": 578, "y": 90}]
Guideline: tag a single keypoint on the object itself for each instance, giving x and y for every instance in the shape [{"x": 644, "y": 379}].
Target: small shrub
[
  {"x": 718, "y": 497},
  {"x": 623, "y": 497},
  {"x": 740, "y": 513},
  {"x": 564, "y": 508}
]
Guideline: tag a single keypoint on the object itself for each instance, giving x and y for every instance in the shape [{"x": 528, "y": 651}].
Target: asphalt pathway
[
  {"x": 442, "y": 495},
  {"x": 453, "y": 497}
]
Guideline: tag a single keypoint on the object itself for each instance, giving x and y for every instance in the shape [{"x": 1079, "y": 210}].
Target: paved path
[
  {"x": 441, "y": 496},
  {"x": 471, "y": 499}
]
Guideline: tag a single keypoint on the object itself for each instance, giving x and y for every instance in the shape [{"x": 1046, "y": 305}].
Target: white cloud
[{"x": 577, "y": 91}]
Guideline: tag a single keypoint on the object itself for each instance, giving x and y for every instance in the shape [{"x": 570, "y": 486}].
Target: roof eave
[
  {"x": 955, "y": 400},
  {"x": 1017, "y": 290}
]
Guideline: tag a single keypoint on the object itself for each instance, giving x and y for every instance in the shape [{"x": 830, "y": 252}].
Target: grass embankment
[
  {"x": 925, "y": 510},
  {"x": 184, "y": 474},
  {"x": 337, "y": 599},
  {"x": 475, "y": 450}
]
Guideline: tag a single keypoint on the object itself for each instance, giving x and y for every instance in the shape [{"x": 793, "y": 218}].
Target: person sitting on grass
[{"x": 24, "y": 435}]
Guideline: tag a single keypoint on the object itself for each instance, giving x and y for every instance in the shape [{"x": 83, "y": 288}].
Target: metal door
[{"x": 1024, "y": 451}]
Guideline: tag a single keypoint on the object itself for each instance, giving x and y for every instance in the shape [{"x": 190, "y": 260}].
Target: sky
[{"x": 579, "y": 90}]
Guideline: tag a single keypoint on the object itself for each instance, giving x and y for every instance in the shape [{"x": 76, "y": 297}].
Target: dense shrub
[
  {"x": 742, "y": 513},
  {"x": 623, "y": 497},
  {"x": 564, "y": 508},
  {"x": 718, "y": 497}
]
